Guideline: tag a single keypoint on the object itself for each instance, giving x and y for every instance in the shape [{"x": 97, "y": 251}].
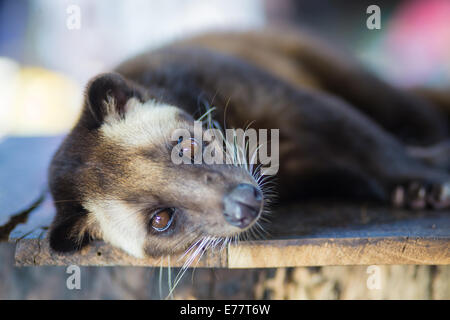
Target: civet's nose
[{"x": 242, "y": 205}]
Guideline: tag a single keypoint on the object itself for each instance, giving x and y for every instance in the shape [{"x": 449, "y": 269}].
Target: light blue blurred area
[
  {"x": 23, "y": 172},
  {"x": 13, "y": 23}
]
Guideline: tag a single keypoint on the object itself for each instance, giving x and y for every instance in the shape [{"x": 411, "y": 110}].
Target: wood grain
[
  {"x": 36, "y": 252},
  {"x": 258, "y": 254},
  {"x": 341, "y": 251}
]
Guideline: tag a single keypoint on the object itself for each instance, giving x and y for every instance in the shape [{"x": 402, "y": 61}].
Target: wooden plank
[
  {"x": 306, "y": 235},
  {"x": 258, "y": 254},
  {"x": 36, "y": 252},
  {"x": 300, "y": 234},
  {"x": 340, "y": 251}
]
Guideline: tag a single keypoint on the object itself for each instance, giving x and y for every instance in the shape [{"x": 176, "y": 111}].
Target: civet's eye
[
  {"x": 188, "y": 148},
  {"x": 162, "y": 219}
]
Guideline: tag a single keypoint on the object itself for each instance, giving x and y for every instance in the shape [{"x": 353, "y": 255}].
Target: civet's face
[{"x": 114, "y": 178}]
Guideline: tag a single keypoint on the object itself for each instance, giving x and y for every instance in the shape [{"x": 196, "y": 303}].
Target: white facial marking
[
  {"x": 120, "y": 224},
  {"x": 143, "y": 123}
]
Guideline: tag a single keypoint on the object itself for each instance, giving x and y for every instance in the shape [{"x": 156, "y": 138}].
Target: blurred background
[{"x": 49, "y": 49}]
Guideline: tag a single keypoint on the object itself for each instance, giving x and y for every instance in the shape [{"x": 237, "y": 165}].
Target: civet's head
[{"x": 113, "y": 178}]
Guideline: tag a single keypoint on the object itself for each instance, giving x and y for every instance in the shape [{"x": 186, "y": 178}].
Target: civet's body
[{"x": 342, "y": 134}]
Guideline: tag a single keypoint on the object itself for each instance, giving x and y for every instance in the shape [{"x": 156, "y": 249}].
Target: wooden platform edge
[
  {"x": 341, "y": 251},
  {"x": 37, "y": 252},
  {"x": 257, "y": 254}
]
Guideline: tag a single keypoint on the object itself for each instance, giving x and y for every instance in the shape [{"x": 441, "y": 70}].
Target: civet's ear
[{"x": 108, "y": 95}]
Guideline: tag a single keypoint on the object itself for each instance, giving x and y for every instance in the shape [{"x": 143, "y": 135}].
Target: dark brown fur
[{"x": 343, "y": 132}]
